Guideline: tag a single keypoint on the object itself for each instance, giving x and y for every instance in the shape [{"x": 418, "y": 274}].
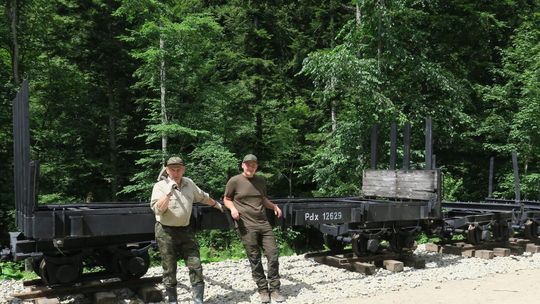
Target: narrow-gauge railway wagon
[
  {"x": 396, "y": 206},
  {"x": 61, "y": 238},
  {"x": 391, "y": 210},
  {"x": 522, "y": 216}
]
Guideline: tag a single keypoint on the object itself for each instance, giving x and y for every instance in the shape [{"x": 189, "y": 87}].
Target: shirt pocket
[
  {"x": 187, "y": 197},
  {"x": 174, "y": 203}
]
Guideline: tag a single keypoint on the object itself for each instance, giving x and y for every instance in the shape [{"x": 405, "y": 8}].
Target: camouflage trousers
[
  {"x": 255, "y": 238},
  {"x": 175, "y": 243}
]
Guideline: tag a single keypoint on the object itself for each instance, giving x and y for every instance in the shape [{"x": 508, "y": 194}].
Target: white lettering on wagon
[
  {"x": 330, "y": 216},
  {"x": 326, "y": 216},
  {"x": 308, "y": 216}
]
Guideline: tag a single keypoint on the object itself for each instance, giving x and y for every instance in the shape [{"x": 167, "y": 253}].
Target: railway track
[
  {"x": 488, "y": 250},
  {"x": 301, "y": 282},
  {"x": 396, "y": 206},
  {"x": 99, "y": 290},
  {"x": 368, "y": 264}
]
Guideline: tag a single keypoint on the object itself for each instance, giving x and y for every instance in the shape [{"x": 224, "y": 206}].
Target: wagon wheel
[
  {"x": 359, "y": 245},
  {"x": 128, "y": 263},
  {"x": 474, "y": 235},
  {"x": 332, "y": 243},
  {"x": 501, "y": 231},
  {"x": 134, "y": 265},
  {"x": 35, "y": 262},
  {"x": 399, "y": 242},
  {"x": 531, "y": 230},
  {"x": 62, "y": 271}
]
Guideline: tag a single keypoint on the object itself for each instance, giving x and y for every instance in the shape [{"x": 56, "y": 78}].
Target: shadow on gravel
[
  {"x": 437, "y": 260},
  {"x": 292, "y": 290},
  {"x": 231, "y": 296}
]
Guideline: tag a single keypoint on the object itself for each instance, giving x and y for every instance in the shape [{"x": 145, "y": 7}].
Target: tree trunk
[
  {"x": 333, "y": 114},
  {"x": 259, "y": 133},
  {"x": 163, "y": 91},
  {"x": 379, "y": 36},
  {"x": 15, "y": 46},
  {"x": 358, "y": 14},
  {"x": 112, "y": 136}
]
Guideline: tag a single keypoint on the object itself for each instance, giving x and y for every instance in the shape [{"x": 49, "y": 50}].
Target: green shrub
[
  {"x": 15, "y": 271},
  {"x": 424, "y": 238}
]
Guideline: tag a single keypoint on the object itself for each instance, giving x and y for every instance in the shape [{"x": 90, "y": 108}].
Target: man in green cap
[
  {"x": 245, "y": 196},
  {"x": 172, "y": 201}
]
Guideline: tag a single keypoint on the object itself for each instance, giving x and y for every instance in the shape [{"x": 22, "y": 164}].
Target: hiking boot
[
  {"x": 198, "y": 293},
  {"x": 277, "y": 296},
  {"x": 171, "y": 295},
  {"x": 264, "y": 297}
]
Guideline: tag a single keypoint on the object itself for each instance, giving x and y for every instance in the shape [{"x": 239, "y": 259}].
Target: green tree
[
  {"x": 77, "y": 91},
  {"x": 182, "y": 41},
  {"x": 513, "y": 123},
  {"x": 6, "y": 144}
]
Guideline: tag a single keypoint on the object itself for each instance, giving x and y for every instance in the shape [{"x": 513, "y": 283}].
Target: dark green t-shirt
[{"x": 247, "y": 195}]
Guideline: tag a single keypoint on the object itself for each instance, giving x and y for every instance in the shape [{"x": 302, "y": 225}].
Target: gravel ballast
[{"x": 305, "y": 281}]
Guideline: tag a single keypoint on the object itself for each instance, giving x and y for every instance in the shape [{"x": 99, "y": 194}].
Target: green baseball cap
[
  {"x": 249, "y": 157},
  {"x": 175, "y": 160}
]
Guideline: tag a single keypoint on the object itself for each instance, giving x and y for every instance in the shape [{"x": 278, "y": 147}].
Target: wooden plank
[
  {"x": 150, "y": 294},
  {"x": 484, "y": 254},
  {"x": 393, "y": 265},
  {"x": 409, "y": 184},
  {"x": 379, "y": 183},
  {"x": 532, "y": 248},
  {"x": 414, "y": 261},
  {"x": 46, "y": 301},
  {"x": 92, "y": 287},
  {"x": 364, "y": 268},
  {"x": 501, "y": 252},
  {"x": 105, "y": 297},
  {"x": 433, "y": 247}
]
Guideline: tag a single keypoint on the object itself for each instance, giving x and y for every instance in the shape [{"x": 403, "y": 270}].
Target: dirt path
[{"x": 518, "y": 287}]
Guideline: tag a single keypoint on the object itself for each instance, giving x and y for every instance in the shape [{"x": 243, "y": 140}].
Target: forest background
[{"x": 118, "y": 85}]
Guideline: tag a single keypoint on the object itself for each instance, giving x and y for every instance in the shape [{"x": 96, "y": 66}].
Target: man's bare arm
[
  {"x": 230, "y": 205},
  {"x": 269, "y": 205}
]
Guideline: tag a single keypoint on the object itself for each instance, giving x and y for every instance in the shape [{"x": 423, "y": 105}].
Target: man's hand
[
  {"x": 230, "y": 205},
  {"x": 218, "y": 206},
  {"x": 235, "y": 215},
  {"x": 277, "y": 211},
  {"x": 172, "y": 186},
  {"x": 163, "y": 203}
]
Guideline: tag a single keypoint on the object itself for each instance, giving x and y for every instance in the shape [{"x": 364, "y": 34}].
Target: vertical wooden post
[
  {"x": 393, "y": 139},
  {"x": 490, "y": 182},
  {"x": 406, "y": 146},
  {"x": 374, "y": 131},
  {"x": 429, "y": 144},
  {"x": 516, "y": 177}
]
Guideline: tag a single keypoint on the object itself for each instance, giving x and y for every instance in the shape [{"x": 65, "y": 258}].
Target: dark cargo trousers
[
  {"x": 175, "y": 243},
  {"x": 253, "y": 239}
]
